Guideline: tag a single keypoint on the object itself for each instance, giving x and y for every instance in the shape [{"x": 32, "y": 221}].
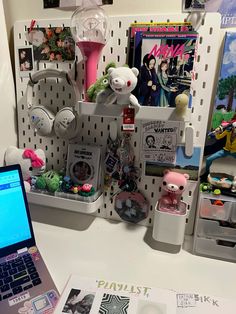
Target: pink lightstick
[{"x": 89, "y": 28}]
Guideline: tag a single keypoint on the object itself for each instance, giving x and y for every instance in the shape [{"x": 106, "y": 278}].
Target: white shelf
[
  {"x": 115, "y": 111},
  {"x": 65, "y": 203}
]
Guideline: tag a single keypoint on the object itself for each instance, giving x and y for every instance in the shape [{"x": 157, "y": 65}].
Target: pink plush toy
[{"x": 173, "y": 184}]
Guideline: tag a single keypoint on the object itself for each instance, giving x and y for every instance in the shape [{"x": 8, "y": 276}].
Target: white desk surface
[{"x": 100, "y": 248}]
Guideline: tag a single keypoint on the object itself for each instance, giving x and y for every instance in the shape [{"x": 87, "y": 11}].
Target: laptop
[{"x": 25, "y": 283}]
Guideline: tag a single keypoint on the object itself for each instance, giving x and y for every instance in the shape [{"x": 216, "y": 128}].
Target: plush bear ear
[
  {"x": 135, "y": 71},
  {"x": 110, "y": 70},
  {"x": 166, "y": 171},
  {"x": 186, "y": 176}
]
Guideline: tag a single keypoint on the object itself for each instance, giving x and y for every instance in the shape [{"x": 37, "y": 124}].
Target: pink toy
[{"x": 173, "y": 184}]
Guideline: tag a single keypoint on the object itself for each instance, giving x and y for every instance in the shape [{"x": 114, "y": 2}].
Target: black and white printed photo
[
  {"x": 78, "y": 301},
  {"x": 51, "y": 4},
  {"x": 194, "y": 4}
]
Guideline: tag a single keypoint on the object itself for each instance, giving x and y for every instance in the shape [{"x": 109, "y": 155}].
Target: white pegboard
[{"x": 95, "y": 128}]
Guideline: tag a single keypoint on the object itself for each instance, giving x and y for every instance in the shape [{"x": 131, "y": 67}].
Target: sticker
[
  {"x": 186, "y": 300},
  {"x": 19, "y": 298},
  {"x": 33, "y": 250},
  {"x": 128, "y": 119}
]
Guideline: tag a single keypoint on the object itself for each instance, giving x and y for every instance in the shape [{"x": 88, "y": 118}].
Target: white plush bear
[
  {"x": 32, "y": 162},
  {"x": 122, "y": 81}
]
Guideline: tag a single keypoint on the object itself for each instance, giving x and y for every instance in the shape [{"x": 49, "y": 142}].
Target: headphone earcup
[
  {"x": 65, "y": 124},
  {"x": 41, "y": 119}
]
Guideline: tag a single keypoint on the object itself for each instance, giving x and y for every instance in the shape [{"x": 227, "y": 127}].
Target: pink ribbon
[{"x": 35, "y": 160}]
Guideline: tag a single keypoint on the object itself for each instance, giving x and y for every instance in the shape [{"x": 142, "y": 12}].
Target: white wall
[
  {"x": 33, "y": 9},
  {"x": 8, "y": 135}
]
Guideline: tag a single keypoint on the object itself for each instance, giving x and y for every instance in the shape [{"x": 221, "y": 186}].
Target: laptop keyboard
[{"x": 17, "y": 275}]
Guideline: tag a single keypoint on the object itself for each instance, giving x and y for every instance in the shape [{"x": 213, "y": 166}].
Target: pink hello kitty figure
[{"x": 173, "y": 184}]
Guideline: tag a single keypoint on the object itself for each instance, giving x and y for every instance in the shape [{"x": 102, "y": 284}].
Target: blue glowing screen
[{"x": 14, "y": 224}]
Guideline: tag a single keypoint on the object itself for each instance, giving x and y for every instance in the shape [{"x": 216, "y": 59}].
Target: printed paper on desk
[
  {"x": 193, "y": 303},
  {"x": 93, "y": 296}
]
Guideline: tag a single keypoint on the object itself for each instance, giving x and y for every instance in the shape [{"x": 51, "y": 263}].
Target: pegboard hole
[
  {"x": 200, "y": 40},
  {"x": 197, "y": 134},
  {"x": 203, "y": 21},
  {"x": 208, "y": 49},
  {"x": 118, "y": 58},
  {"x": 135, "y": 144},
  {"x": 153, "y": 181},
  {"x": 146, "y": 187},
  {"x": 151, "y": 208},
  {"x": 196, "y": 76},
  {"x": 211, "y": 30},
  {"x": 120, "y": 24},
  {"x": 199, "y": 118},
  {"x": 189, "y": 193},
  {"x": 150, "y": 220},
  {"x": 201, "y": 102},
  {"x": 152, "y": 194},
  {"x": 206, "y": 67},
  {"x": 110, "y": 213},
  {"x": 204, "y": 85},
  {"x": 111, "y": 49},
  {"x": 198, "y": 58},
  {"x": 192, "y": 110},
  {"x": 159, "y": 188},
  {"x": 22, "y": 107},
  {"x": 194, "y": 93},
  {"x": 99, "y": 211}
]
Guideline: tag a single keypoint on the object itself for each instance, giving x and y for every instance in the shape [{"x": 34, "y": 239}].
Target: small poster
[
  {"x": 159, "y": 141},
  {"x": 52, "y": 44}
]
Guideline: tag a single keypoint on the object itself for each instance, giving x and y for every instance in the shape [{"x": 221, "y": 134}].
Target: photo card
[
  {"x": 79, "y": 301},
  {"x": 25, "y": 60}
]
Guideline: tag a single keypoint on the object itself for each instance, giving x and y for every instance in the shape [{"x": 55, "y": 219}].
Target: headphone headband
[{"x": 43, "y": 74}]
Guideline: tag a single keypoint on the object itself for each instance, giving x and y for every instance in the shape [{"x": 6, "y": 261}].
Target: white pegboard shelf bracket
[{"x": 115, "y": 111}]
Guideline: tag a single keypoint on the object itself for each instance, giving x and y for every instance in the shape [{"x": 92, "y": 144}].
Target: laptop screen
[{"x": 14, "y": 220}]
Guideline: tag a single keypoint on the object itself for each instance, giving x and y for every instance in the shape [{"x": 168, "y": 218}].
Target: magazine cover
[
  {"x": 225, "y": 101},
  {"x": 93, "y": 296},
  {"x": 153, "y": 27},
  {"x": 165, "y": 63}
]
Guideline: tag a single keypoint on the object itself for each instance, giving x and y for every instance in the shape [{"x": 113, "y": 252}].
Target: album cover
[
  {"x": 160, "y": 27},
  {"x": 165, "y": 62},
  {"x": 83, "y": 164},
  {"x": 98, "y": 296}
]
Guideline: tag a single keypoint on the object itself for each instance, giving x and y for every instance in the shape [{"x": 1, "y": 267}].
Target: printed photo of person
[
  {"x": 148, "y": 82},
  {"x": 78, "y": 302},
  {"x": 82, "y": 171},
  {"x": 25, "y": 60},
  {"x": 150, "y": 141}
]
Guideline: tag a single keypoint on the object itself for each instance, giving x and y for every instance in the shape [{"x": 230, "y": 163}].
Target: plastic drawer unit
[{"x": 215, "y": 227}]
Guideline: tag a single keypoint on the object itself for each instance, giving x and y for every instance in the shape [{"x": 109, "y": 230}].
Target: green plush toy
[
  {"x": 49, "y": 181},
  {"x": 101, "y": 84}
]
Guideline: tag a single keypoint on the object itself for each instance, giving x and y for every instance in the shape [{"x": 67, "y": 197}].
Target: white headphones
[{"x": 44, "y": 121}]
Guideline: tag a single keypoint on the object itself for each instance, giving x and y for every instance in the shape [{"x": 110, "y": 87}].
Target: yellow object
[{"x": 229, "y": 146}]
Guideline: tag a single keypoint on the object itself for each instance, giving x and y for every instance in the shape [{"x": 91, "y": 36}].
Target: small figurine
[
  {"x": 229, "y": 131},
  {"x": 173, "y": 184},
  {"x": 123, "y": 81},
  {"x": 101, "y": 84},
  {"x": 181, "y": 102},
  {"x": 49, "y": 181}
]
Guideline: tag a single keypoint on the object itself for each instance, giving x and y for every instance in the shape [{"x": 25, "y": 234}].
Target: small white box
[
  {"x": 83, "y": 164},
  {"x": 169, "y": 227}
]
